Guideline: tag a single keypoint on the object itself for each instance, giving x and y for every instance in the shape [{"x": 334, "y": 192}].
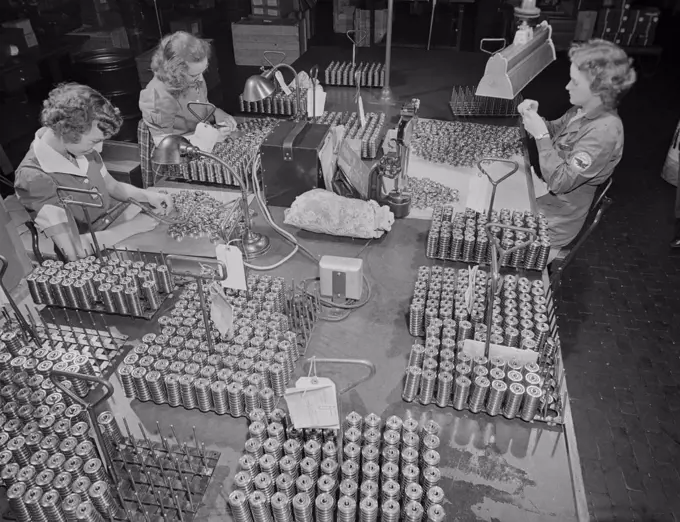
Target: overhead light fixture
[
  {"x": 261, "y": 86},
  {"x": 509, "y": 70},
  {"x": 172, "y": 150}
]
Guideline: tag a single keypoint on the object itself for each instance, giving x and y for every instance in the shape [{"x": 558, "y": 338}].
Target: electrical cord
[
  {"x": 257, "y": 189},
  {"x": 344, "y": 309}
]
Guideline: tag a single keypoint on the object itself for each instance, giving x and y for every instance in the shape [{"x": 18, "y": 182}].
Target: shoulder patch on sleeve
[{"x": 581, "y": 161}]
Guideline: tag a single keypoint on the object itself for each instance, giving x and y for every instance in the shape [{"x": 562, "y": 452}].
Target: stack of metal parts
[
  {"x": 279, "y": 103},
  {"x": 48, "y": 461},
  {"x": 462, "y": 144},
  {"x": 159, "y": 480},
  {"x": 344, "y": 74},
  {"x": 448, "y": 309},
  {"x": 464, "y": 102},
  {"x": 272, "y": 326},
  {"x": 204, "y": 216},
  {"x": 371, "y": 471},
  {"x": 371, "y": 134},
  {"x": 108, "y": 285},
  {"x": 462, "y": 236},
  {"x": 236, "y": 151}
]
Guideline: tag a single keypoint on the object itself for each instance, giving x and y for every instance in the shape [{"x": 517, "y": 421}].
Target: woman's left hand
[
  {"x": 227, "y": 122},
  {"x": 534, "y": 124},
  {"x": 161, "y": 203}
]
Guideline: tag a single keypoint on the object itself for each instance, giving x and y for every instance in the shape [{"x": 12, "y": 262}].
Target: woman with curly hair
[
  {"x": 178, "y": 65},
  {"x": 578, "y": 152},
  {"x": 76, "y": 120}
]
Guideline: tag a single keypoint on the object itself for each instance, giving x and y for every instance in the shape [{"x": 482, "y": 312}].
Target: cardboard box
[
  {"x": 25, "y": 25},
  {"x": 585, "y": 25},
  {"x": 609, "y": 23},
  {"x": 362, "y": 23},
  {"x": 640, "y": 27},
  {"x": 273, "y": 8}
]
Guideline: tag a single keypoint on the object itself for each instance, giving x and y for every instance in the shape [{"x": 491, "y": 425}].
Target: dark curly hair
[
  {"x": 71, "y": 108},
  {"x": 608, "y": 67},
  {"x": 172, "y": 56}
]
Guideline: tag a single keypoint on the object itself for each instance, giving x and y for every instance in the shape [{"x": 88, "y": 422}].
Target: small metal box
[
  {"x": 341, "y": 277},
  {"x": 290, "y": 161}
]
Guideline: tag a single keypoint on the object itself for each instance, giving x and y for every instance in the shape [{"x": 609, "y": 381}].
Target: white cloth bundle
[{"x": 321, "y": 211}]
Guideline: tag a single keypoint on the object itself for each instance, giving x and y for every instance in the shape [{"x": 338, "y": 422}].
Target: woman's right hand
[{"x": 527, "y": 105}]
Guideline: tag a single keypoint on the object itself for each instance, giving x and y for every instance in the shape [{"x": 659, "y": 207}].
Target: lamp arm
[
  {"x": 239, "y": 179},
  {"x": 297, "y": 86}
]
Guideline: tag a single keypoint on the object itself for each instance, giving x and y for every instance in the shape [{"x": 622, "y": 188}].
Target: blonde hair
[
  {"x": 608, "y": 67},
  {"x": 71, "y": 108},
  {"x": 172, "y": 56}
]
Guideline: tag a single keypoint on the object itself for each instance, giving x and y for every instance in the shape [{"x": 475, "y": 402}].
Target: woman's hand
[
  {"x": 534, "y": 124},
  {"x": 226, "y": 121},
  {"x": 161, "y": 203},
  {"x": 527, "y": 105}
]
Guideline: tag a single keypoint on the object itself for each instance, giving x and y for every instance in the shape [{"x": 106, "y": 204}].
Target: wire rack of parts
[
  {"x": 524, "y": 380},
  {"x": 462, "y": 144},
  {"x": 462, "y": 236},
  {"x": 177, "y": 367},
  {"x": 237, "y": 152},
  {"x": 345, "y": 73},
  {"x": 370, "y": 135},
  {"x": 465, "y": 103},
  {"x": 54, "y": 470},
  {"x": 108, "y": 285},
  {"x": 367, "y": 471},
  {"x": 278, "y": 104}
]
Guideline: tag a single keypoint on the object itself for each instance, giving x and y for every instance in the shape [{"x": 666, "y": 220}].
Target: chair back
[{"x": 567, "y": 254}]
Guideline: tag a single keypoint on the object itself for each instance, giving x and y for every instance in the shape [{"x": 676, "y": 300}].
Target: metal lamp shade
[
  {"x": 170, "y": 150},
  {"x": 259, "y": 87}
]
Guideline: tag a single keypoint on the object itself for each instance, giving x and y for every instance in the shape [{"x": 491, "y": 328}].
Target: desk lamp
[
  {"x": 508, "y": 71},
  {"x": 261, "y": 86},
  {"x": 171, "y": 151}
]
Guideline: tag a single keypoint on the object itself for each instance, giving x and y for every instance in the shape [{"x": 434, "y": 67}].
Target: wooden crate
[
  {"x": 272, "y": 8},
  {"x": 253, "y": 36}
]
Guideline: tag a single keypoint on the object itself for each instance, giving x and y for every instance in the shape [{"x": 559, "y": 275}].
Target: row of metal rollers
[
  {"x": 369, "y": 134},
  {"x": 463, "y": 237},
  {"x": 344, "y": 73},
  {"x": 281, "y": 104},
  {"x": 439, "y": 309},
  {"x": 465, "y": 383},
  {"x": 287, "y": 475},
  {"x": 118, "y": 284}
]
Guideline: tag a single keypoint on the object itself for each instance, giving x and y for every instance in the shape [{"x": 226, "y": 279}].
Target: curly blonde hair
[
  {"x": 71, "y": 108},
  {"x": 170, "y": 60},
  {"x": 608, "y": 67}
]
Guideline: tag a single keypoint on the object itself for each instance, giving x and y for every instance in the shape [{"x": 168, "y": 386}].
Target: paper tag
[
  {"x": 221, "y": 313},
  {"x": 362, "y": 114},
  {"x": 233, "y": 261},
  {"x": 205, "y": 137},
  {"x": 282, "y": 83},
  {"x": 313, "y": 403},
  {"x": 469, "y": 293},
  {"x": 354, "y": 168},
  {"x": 3, "y": 298}
]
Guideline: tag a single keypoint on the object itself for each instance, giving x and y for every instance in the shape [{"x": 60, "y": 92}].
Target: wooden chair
[{"x": 567, "y": 254}]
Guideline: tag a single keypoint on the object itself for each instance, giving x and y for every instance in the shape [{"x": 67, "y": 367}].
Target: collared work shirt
[
  {"x": 167, "y": 114},
  {"x": 40, "y": 173},
  {"x": 580, "y": 155}
]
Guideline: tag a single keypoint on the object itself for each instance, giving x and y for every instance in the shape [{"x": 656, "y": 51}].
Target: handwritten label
[
  {"x": 282, "y": 83},
  {"x": 313, "y": 403},
  {"x": 233, "y": 261},
  {"x": 221, "y": 313}
]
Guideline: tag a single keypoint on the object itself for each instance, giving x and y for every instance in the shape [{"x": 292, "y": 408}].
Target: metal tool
[
  {"x": 429, "y": 35},
  {"x": 352, "y": 35},
  {"x": 496, "y": 182},
  {"x": 66, "y": 197}
]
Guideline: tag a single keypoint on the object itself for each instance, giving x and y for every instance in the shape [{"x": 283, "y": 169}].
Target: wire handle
[
  {"x": 210, "y": 106},
  {"x": 481, "y": 45},
  {"x": 355, "y": 42},
  {"x": 64, "y": 195},
  {"x": 89, "y": 378},
  {"x": 272, "y": 65},
  {"x": 497, "y": 242},
  {"x": 480, "y": 166}
]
